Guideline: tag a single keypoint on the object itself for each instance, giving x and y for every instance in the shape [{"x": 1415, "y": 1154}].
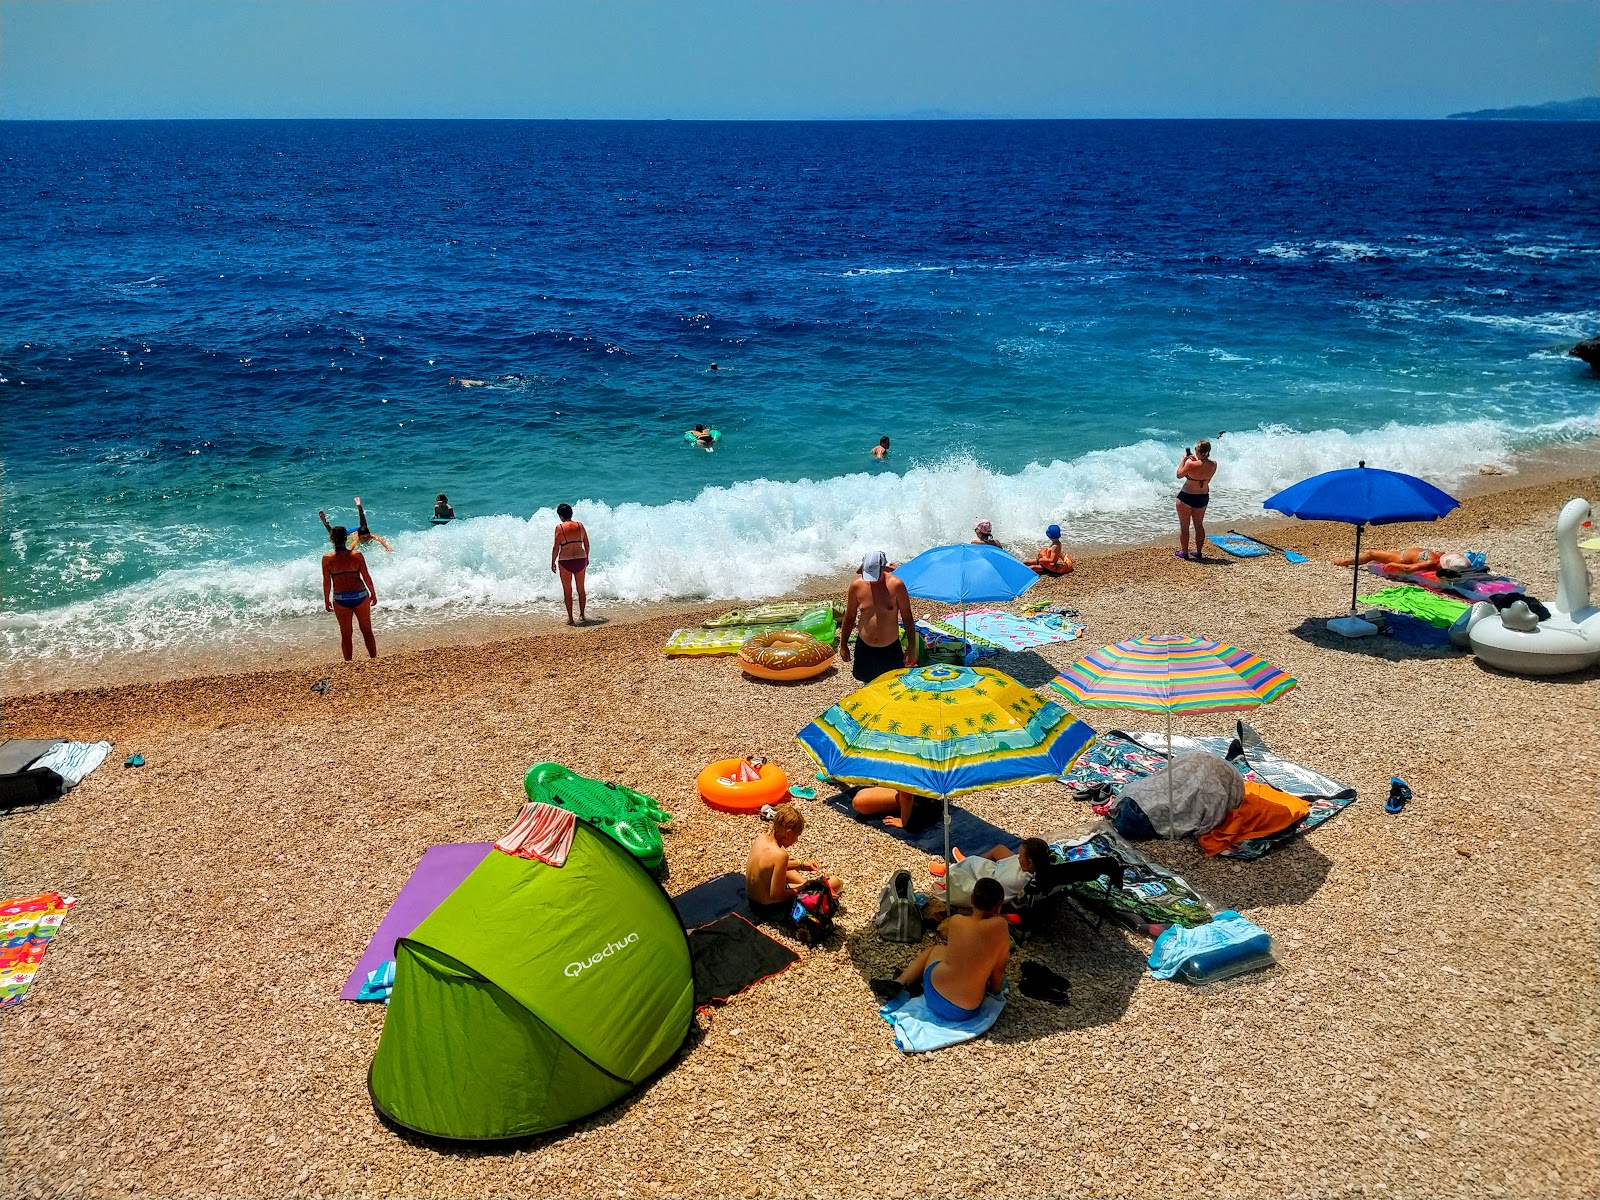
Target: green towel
[{"x": 1439, "y": 611}]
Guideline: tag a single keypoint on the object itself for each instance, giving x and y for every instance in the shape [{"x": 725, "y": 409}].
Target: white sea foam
[{"x": 749, "y": 540}]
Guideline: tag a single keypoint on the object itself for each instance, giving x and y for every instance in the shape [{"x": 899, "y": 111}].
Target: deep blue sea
[{"x": 210, "y": 330}]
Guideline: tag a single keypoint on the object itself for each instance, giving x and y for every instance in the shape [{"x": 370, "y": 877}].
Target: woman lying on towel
[{"x": 1413, "y": 558}]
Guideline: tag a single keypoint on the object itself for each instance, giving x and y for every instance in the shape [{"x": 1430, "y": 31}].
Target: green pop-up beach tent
[{"x": 533, "y": 996}]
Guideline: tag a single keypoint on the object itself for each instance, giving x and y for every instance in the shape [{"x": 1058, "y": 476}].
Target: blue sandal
[{"x": 1399, "y": 793}]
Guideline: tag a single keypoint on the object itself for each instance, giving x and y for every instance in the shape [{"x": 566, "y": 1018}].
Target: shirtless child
[
  {"x": 954, "y": 978},
  {"x": 770, "y": 876},
  {"x": 875, "y": 608}
]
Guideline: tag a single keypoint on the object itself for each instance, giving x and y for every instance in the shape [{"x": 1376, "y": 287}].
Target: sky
[{"x": 790, "y": 59}]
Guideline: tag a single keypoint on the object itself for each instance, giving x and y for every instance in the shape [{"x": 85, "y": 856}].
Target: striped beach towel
[
  {"x": 27, "y": 927},
  {"x": 542, "y": 832}
]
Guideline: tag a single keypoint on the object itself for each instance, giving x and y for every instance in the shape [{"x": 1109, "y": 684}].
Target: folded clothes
[{"x": 917, "y": 1030}]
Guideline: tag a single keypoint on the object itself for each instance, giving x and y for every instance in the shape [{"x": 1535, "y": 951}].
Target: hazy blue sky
[{"x": 791, "y": 58}]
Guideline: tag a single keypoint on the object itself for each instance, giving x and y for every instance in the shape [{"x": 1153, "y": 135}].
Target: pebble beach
[{"x": 1430, "y": 1030}]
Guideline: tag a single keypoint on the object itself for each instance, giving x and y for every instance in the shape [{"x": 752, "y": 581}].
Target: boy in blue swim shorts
[{"x": 954, "y": 978}]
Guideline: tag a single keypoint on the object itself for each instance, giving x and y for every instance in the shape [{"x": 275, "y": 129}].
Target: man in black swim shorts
[{"x": 876, "y": 608}]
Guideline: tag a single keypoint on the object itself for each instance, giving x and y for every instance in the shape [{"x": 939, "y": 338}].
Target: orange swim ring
[
  {"x": 784, "y": 654},
  {"x": 722, "y": 791}
]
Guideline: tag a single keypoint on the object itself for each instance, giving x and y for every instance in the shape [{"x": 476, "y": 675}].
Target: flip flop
[
  {"x": 800, "y": 792},
  {"x": 936, "y": 867},
  {"x": 1399, "y": 794}
]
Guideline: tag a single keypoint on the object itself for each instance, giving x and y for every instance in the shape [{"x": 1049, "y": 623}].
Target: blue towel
[
  {"x": 917, "y": 1030},
  {"x": 380, "y": 982},
  {"x": 972, "y": 834},
  {"x": 1228, "y": 930},
  {"x": 1413, "y": 632}
]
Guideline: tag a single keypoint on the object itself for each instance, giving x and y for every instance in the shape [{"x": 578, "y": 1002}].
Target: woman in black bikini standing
[
  {"x": 348, "y": 591},
  {"x": 569, "y": 557},
  {"x": 1196, "y": 471}
]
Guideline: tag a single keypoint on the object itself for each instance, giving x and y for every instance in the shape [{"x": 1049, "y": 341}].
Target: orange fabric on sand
[{"x": 1263, "y": 810}]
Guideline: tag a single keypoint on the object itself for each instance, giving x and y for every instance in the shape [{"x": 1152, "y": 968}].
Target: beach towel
[
  {"x": 1262, "y": 811},
  {"x": 542, "y": 832},
  {"x": 940, "y": 645},
  {"x": 1150, "y": 893},
  {"x": 1413, "y": 631},
  {"x": 379, "y": 984},
  {"x": 705, "y": 902},
  {"x": 917, "y": 1030},
  {"x": 1439, "y": 611},
  {"x": 1327, "y": 796},
  {"x": 1005, "y": 631},
  {"x": 971, "y": 833},
  {"x": 73, "y": 760},
  {"x": 1237, "y": 545},
  {"x": 1471, "y": 586},
  {"x": 440, "y": 871},
  {"x": 730, "y": 955},
  {"x": 27, "y": 927}
]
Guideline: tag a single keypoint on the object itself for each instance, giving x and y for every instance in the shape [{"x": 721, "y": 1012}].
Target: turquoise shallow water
[{"x": 210, "y": 330}]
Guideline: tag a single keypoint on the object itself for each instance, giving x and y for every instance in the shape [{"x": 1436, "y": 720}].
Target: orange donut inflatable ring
[
  {"x": 721, "y": 791},
  {"x": 784, "y": 654}
]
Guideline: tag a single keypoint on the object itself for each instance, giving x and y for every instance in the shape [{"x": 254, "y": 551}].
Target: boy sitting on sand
[
  {"x": 954, "y": 978},
  {"x": 1052, "y": 560},
  {"x": 770, "y": 877}
]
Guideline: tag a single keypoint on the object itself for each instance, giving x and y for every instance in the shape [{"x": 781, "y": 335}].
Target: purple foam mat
[{"x": 438, "y": 874}]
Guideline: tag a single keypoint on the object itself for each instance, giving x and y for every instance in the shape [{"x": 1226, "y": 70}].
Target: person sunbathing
[
  {"x": 901, "y": 810},
  {"x": 1418, "y": 558},
  {"x": 1013, "y": 870},
  {"x": 954, "y": 978},
  {"x": 770, "y": 876},
  {"x": 1052, "y": 560}
]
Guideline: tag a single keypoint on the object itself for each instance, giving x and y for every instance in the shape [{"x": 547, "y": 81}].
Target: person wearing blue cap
[{"x": 1052, "y": 560}]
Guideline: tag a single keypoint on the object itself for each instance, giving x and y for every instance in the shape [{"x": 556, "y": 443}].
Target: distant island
[{"x": 1587, "y": 109}]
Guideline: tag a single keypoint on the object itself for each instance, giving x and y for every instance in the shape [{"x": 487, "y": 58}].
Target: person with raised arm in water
[
  {"x": 348, "y": 591},
  {"x": 569, "y": 558},
  {"x": 363, "y": 535},
  {"x": 1196, "y": 470},
  {"x": 876, "y": 607}
]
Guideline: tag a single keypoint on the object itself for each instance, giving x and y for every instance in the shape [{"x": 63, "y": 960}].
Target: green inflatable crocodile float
[{"x": 630, "y": 818}]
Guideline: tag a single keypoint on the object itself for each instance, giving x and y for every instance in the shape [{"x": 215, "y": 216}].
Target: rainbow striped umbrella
[
  {"x": 944, "y": 731},
  {"x": 1170, "y": 674}
]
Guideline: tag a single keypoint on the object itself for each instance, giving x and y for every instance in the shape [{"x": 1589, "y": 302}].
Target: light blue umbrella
[
  {"x": 1362, "y": 496},
  {"x": 966, "y": 573}
]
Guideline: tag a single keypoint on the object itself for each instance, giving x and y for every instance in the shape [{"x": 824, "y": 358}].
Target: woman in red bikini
[
  {"x": 1196, "y": 471},
  {"x": 569, "y": 558}
]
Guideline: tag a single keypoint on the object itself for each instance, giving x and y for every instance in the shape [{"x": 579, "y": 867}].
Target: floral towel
[
  {"x": 1006, "y": 631},
  {"x": 27, "y": 927}
]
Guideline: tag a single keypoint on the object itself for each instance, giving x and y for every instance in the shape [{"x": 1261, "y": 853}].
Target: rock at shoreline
[{"x": 1589, "y": 351}]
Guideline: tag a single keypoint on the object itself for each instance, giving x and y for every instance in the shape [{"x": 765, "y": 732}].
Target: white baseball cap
[{"x": 873, "y": 564}]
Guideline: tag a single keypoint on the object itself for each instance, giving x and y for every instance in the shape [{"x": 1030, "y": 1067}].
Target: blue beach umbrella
[
  {"x": 1362, "y": 496},
  {"x": 964, "y": 573}
]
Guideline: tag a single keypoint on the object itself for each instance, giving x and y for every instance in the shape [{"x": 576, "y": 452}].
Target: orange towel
[{"x": 1263, "y": 810}]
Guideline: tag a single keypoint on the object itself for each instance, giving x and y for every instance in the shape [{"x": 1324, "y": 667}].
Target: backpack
[
  {"x": 898, "y": 919},
  {"x": 812, "y": 913}
]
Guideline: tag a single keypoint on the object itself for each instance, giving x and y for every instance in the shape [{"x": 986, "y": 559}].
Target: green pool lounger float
[{"x": 629, "y": 818}]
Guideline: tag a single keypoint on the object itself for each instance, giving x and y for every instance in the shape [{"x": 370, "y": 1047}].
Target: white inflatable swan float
[{"x": 1517, "y": 641}]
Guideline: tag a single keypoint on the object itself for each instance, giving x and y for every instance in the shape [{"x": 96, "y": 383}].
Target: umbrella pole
[
  {"x": 1355, "y": 572},
  {"x": 1169, "y": 762},
  {"x": 947, "y": 863}
]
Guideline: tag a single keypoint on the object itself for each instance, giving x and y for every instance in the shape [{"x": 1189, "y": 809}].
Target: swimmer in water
[
  {"x": 362, "y": 535},
  {"x": 881, "y": 450},
  {"x": 703, "y": 437},
  {"x": 442, "y": 510},
  {"x": 469, "y": 382}
]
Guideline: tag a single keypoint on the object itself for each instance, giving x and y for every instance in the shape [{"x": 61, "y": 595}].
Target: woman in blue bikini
[{"x": 348, "y": 592}]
